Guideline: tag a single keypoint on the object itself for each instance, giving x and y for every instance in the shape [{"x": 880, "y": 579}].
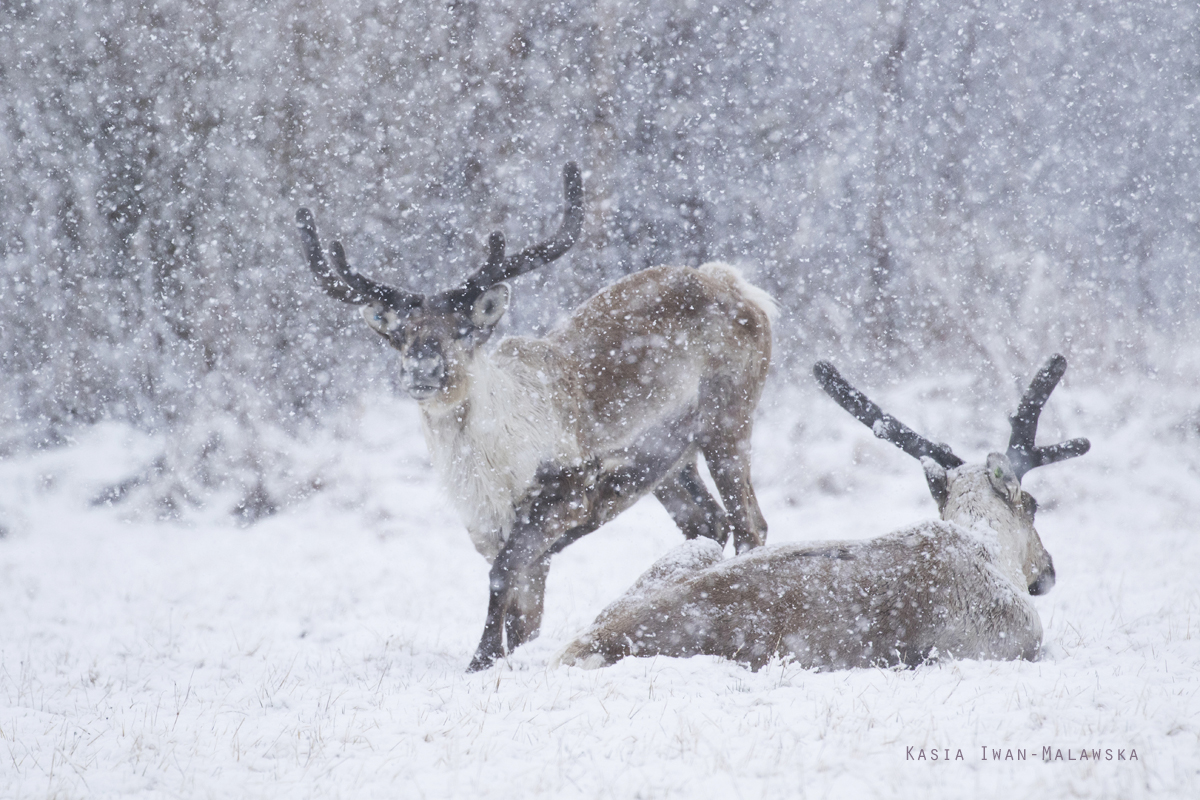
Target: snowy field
[{"x": 320, "y": 653}]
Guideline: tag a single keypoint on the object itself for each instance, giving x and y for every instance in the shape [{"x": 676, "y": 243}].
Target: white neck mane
[{"x": 487, "y": 448}]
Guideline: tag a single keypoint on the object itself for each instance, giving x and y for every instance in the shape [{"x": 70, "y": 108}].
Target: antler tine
[
  {"x": 495, "y": 260},
  {"x": 1022, "y": 452},
  {"x": 502, "y": 269},
  {"x": 373, "y": 291},
  {"x": 884, "y": 426},
  {"x": 333, "y": 285},
  {"x": 341, "y": 282}
]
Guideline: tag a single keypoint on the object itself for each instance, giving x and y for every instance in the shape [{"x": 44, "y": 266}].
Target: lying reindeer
[
  {"x": 957, "y": 587},
  {"x": 540, "y": 441}
]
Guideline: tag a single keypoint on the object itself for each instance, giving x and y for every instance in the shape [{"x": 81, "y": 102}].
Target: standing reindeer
[
  {"x": 957, "y": 587},
  {"x": 541, "y": 441}
]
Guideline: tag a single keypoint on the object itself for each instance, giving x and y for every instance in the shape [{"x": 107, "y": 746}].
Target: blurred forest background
[{"x": 921, "y": 184}]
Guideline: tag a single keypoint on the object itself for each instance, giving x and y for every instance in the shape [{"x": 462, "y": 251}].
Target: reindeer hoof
[
  {"x": 480, "y": 662},
  {"x": 744, "y": 544}
]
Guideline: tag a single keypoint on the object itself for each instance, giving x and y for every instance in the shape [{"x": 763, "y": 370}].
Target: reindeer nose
[
  {"x": 1044, "y": 581},
  {"x": 423, "y": 369},
  {"x": 427, "y": 371}
]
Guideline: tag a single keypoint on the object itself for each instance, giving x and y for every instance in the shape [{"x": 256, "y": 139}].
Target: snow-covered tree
[{"x": 986, "y": 180}]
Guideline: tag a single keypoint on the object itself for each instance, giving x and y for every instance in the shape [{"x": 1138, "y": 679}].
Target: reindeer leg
[
  {"x": 731, "y": 473},
  {"x": 690, "y": 505},
  {"x": 558, "y": 508},
  {"x": 525, "y": 549},
  {"x": 567, "y": 503},
  {"x": 491, "y": 644},
  {"x": 523, "y": 621},
  {"x": 725, "y": 442},
  {"x": 580, "y": 501}
]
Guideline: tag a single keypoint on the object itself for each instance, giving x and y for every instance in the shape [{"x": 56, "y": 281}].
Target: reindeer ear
[
  {"x": 381, "y": 318},
  {"x": 490, "y": 306},
  {"x": 939, "y": 484}
]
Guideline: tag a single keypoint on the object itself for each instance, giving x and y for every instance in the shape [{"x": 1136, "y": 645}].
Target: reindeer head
[
  {"x": 988, "y": 494},
  {"x": 438, "y": 335}
]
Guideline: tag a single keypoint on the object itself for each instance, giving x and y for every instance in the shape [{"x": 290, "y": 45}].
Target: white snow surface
[{"x": 321, "y": 652}]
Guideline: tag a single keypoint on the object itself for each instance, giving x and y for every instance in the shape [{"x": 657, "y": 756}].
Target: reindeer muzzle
[
  {"x": 424, "y": 377},
  {"x": 1044, "y": 581}
]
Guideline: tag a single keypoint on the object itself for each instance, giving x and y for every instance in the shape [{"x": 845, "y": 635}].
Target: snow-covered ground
[{"x": 320, "y": 653}]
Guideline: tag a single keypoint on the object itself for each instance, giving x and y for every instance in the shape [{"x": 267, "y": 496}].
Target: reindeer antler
[
  {"x": 499, "y": 268},
  {"x": 340, "y": 281},
  {"x": 884, "y": 426},
  {"x": 1022, "y": 453},
  {"x": 343, "y": 283}
]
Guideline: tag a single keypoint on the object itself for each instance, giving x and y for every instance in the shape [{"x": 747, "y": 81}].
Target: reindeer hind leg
[
  {"x": 691, "y": 506},
  {"x": 523, "y": 619},
  {"x": 731, "y": 472},
  {"x": 725, "y": 442}
]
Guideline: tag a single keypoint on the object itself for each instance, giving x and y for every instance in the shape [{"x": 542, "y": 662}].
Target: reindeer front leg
[
  {"x": 525, "y": 550},
  {"x": 558, "y": 510},
  {"x": 566, "y": 503}
]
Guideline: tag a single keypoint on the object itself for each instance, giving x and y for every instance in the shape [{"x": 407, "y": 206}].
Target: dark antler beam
[
  {"x": 884, "y": 426},
  {"x": 340, "y": 281}
]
